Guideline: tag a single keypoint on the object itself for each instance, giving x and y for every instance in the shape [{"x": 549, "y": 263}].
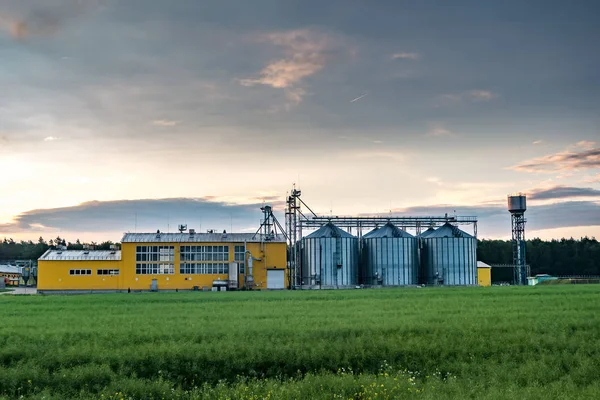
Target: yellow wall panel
[
  {"x": 484, "y": 276},
  {"x": 54, "y": 275}
]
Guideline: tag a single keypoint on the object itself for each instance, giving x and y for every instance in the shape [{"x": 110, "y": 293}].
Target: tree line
[
  {"x": 29, "y": 250},
  {"x": 554, "y": 257}
]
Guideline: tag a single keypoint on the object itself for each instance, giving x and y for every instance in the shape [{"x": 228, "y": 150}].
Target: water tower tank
[{"x": 517, "y": 204}]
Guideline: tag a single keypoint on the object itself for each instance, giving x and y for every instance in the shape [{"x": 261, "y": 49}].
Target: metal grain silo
[
  {"x": 390, "y": 257},
  {"x": 450, "y": 257},
  {"x": 329, "y": 258},
  {"x": 427, "y": 232}
]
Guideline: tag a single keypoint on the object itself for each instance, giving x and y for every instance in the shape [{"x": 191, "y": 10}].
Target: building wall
[
  {"x": 54, "y": 275},
  {"x": 12, "y": 279},
  {"x": 484, "y": 276}
]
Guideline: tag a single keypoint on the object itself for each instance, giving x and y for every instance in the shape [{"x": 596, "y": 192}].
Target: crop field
[{"x": 483, "y": 343}]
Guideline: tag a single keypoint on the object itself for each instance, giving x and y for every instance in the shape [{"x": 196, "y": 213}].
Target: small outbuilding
[
  {"x": 484, "y": 274},
  {"x": 539, "y": 278},
  {"x": 10, "y": 274}
]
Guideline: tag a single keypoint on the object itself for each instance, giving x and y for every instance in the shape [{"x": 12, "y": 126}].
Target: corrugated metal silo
[
  {"x": 427, "y": 232},
  {"x": 329, "y": 258},
  {"x": 390, "y": 257},
  {"x": 450, "y": 257}
]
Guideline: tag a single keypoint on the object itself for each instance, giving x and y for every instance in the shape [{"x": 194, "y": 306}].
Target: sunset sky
[{"x": 123, "y": 115}]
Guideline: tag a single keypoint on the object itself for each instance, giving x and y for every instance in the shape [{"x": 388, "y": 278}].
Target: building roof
[
  {"x": 448, "y": 231},
  {"x": 9, "y": 269},
  {"x": 481, "y": 264},
  {"x": 389, "y": 230},
  {"x": 329, "y": 230},
  {"x": 197, "y": 238},
  {"x": 427, "y": 232},
  {"x": 81, "y": 255}
]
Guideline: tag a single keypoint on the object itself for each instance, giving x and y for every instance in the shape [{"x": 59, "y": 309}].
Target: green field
[{"x": 480, "y": 343}]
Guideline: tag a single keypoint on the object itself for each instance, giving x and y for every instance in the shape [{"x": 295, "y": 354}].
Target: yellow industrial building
[{"x": 170, "y": 261}]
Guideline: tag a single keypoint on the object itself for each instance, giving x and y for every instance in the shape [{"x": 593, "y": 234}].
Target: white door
[{"x": 275, "y": 279}]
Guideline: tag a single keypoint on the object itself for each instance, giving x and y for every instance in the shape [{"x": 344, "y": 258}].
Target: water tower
[{"x": 517, "y": 205}]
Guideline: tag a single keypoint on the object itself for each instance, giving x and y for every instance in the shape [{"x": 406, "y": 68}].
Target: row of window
[
  {"x": 204, "y": 249},
  {"x": 165, "y": 269},
  {"x": 155, "y": 253},
  {"x": 204, "y": 268},
  {"x": 80, "y": 272},
  {"x": 187, "y": 249},
  {"x": 154, "y": 249},
  {"x": 154, "y": 269},
  {"x": 98, "y": 272},
  {"x": 188, "y": 253},
  {"x": 205, "y": 257},
  {"x": 204, "y": 253},
  {"x": 107, "y": 272}
]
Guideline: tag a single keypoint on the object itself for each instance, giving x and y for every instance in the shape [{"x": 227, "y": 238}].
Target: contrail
[{"x": 358, "y": 98}]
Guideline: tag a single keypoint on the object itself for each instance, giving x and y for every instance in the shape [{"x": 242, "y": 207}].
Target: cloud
[
  {"x": 284, "y": 73},
  {"x": 562, "y": 192},
  {"x": 295, "y": 95},
  {"x": 26, "y": 19},
  {"x": 115, "y": 217},
  {"x": 584, "y": 144},
  {"x": 406, "y": 56},
  {"x": 439, "y": 130},
  {"x": 305, "y": 54},
  {"x": 51, "y": 138},
  {"x": 164, "y": 122},
  {"x": 480, "y": 95},
  {"x": 494, "y": 220},
  {"x": 538, "y": 142},
  {"x": 147, "y": 214},
  {"x": 476, "y": 95},
  {"x": 562, "y": 161}
]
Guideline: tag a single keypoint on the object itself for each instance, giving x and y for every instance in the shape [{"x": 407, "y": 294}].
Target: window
[
  {"x": 154, "y": 269},
  {"x": 155, "y": 260},
  {"x": 80, "y": 272},
  {"x": 240, "y": 258},
  {"x": 204, "y": 253},
  {"x": 107, "y": 272},
  {"x": 204, "y": 260},
  {"x": 204, "y": 268}
]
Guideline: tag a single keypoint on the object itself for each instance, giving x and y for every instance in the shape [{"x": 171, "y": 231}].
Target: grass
[
  {"x": 490, "y": 343},
  {"x": 6, "y": 290}
]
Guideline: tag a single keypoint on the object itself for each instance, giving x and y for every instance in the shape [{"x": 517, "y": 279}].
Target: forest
[
  {"x": 11, "y": 250},
  {"x": 555, "y": 257}
]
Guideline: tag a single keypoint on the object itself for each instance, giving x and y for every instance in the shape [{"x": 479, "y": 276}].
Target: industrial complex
[
  {"x": 169, "y": 261},
  {"x": 334, "y": 255}
]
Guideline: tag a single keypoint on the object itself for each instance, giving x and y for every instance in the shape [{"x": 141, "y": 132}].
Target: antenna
[{"x": 517, "y": 205}]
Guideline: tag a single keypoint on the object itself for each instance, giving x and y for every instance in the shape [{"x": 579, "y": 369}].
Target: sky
[{"x": 135, "y": 115}]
